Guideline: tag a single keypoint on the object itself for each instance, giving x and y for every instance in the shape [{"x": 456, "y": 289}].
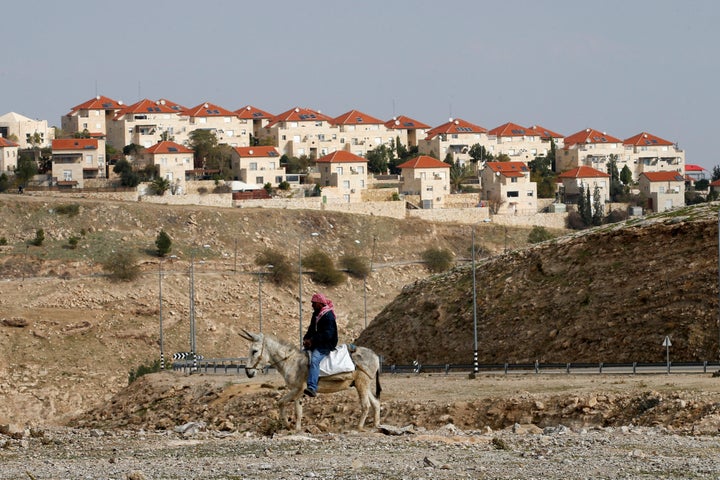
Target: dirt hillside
[{"x": 611, "y": 294}]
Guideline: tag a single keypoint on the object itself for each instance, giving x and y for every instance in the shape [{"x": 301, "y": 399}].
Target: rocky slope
[{"x": 607, "y": 295}]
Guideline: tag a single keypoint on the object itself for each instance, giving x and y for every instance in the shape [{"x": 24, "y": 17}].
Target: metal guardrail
[
  {"x": 237, "y": 365},
  {"x": 552, "y": 368},
  {"x": 211, "y": 365}
]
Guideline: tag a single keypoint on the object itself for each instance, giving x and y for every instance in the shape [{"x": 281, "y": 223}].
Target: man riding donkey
[{"x": 320, "y": 339}]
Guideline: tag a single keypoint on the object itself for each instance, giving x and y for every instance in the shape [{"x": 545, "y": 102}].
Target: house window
[
  {"x": 361, "y": 169},
  {"x": 321, "y": 137},
  {"x": 271, "y": 165},
  {"x": 253, "y": 166},
  {"x": 339, "y": 170},
  {"x": 530, "y": 193},
  {"x": 88, "y": 159},
  {"x": 346, "y": 183},
  {"x": 346, "y": 197},
  {"x": 229, "y": 133},
  {"x": 514, "y": 194},
  {"x": 661, "y": 190},
  {"x": 296, "y": 138},
  {"x": 67, "y": 175},
  {"x": 362, "y": 183},
  {"x": 284, "y": 137}
]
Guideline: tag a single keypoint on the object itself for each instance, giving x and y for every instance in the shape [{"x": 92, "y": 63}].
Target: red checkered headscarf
[{"x": 327, "y": 304}]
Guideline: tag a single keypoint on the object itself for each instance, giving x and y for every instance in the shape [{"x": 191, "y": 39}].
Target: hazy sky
[{"x": 622, "y": 67}]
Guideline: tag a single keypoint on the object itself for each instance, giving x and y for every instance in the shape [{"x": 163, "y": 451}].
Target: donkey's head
[{"x": 257, "y": 352}]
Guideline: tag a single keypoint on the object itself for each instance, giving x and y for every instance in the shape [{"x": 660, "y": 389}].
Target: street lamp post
[
  {"x": 260, "y": 275},
  {"x": 475, "y": 337},
  {"x": 300, "y": 291},
  {"x": 162, "y": 348}
]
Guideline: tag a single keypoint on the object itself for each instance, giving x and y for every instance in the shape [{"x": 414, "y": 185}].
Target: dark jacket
[{"x": 322, "y": 332}]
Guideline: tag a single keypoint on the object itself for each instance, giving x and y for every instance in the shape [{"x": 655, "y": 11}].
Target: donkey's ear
[{"x": 247, "y": 335}]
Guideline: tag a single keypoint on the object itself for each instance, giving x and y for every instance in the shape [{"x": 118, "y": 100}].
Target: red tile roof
[
  {"x": 4, "y": 142},
  {"x": 257, "y": 151},
  {"x": 424, "y": 161},
  {"x": 355, "y": 117},
  {"x": 590, "y": 136},
  {"x": 545, "y": 133},
  {"x": 175, "y": 106},
  {"x": 690, "y": 167},
  {"x": 403, "y": 122},
  {"x": 74, "y": 144},
  {"x": 664, "y": 176},
  {"x": 512, "y": 130},
  {"x": 458, "y": 126},
  {"x": 583, "y": 172},
  {"x": 167, "y": 147},
  {"x": 508, "y": 169},
  {"x": 645, "y": 139},
  {"x": 298, "y": 114},
  {"x": 98, "y": 103},
  {"x": 716, "y": 183},
  {"x": 341, "y": 156},
  {"x": 252, "y": 113},
  {"x": 146, "y": 106},
  {"x": 208, "y": 110}
]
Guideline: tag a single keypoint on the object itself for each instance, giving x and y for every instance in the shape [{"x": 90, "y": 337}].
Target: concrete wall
[{"x": 457, "y": 215}]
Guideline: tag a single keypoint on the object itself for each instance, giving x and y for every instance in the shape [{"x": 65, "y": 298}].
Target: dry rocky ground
[
  {"x": 69, "y": 336},
  {"x": 433, "y": 426}
]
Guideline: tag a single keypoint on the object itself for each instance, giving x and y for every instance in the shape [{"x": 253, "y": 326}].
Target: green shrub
[
  {"x": 39, "y": 237},
  {"x": 322, "y": 268},
  {"x": 159, "y": 186},
  {"x": 143, "y": 370},
  {"x": 539, "y": 234},
  {"x": 616, "y": 216},
  {"x": 70, "y": 209},
  {"x": 122, "y": 266},
  {"x": 355, "y": 266},
  {"x": 281, "y": 271},
  {"x": 3, "y": 241},
  {"x": 284, "y": 186},
  {"x": 73, "y": 242},
  {"x": 163, "y": 242},
  {"x": 575, "y": 221},
  {"x": 437, "y": 259}
]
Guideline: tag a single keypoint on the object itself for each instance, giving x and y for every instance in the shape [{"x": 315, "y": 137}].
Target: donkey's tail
[{"x": 378, "y": 388}]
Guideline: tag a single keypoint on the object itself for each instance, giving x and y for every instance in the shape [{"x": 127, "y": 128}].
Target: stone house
[
  {"x": 343, "y": 175},
  {"x": 506, "y": 186},
  {"x": 426, "y": 177},
  {"x": 663, "y": 190},
  {"x": 456, "y": 137},
  {"x": 172, "y": 161},
  {"x": 257, "y": 165},
  {"x": 8, "y": 156},
  {"x": 75, "y": 160},
  {"x": 584, "y": 178},
  {"x": 407, "y": 130}
]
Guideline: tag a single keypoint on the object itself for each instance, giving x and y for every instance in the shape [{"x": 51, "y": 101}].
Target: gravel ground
[{"x": 520, "y": 452}]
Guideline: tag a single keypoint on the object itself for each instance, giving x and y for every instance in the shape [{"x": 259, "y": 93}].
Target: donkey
[{"x": 292, "y": 363}]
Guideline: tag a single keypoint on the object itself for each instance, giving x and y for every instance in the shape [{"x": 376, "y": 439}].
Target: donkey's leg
[
  {"x": 298, "y": 414},
  {"x": 282, "y": 403},
  {"x": 364, "y": 394},
  {"x": 376, "y": 407}
]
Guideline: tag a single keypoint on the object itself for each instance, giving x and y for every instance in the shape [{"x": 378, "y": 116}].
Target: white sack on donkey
[{"x": 338, "y": 361}]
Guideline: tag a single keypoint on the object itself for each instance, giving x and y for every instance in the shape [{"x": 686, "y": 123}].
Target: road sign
[{"x": 667, "y": 342}]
